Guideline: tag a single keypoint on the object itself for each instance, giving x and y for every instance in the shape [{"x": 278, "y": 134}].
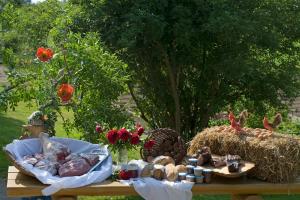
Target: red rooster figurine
[
  {"x": 231, "y": 116},
  {"x": 238, "y": 124},
  {"x": 271, "y": 126}
]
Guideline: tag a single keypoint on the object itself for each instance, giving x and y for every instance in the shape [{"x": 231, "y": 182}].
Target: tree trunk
[
  {"x": 204, "y": 121},
  {"x": 175, "y": 96},
  {"x": 174, "y": 80}
]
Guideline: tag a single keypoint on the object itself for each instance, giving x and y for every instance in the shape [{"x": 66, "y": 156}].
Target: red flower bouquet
[{"x": 123, "y": 139}]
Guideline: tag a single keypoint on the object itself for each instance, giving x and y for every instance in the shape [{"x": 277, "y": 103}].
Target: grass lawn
[{"x": 10, "y": 128}]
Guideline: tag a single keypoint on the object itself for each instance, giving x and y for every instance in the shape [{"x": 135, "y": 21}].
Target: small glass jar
[
  {"x": 198, "y": 171},
  {"x": 193, "y": 161},
  {"x": 199, "y": 179},
  {"x": 190, "y": 169},
  {"x": 207, "y": 173},
  {"x": 190, "y": 178},
  {"x": 133, "y": 169},
  {"x": 182, "y": 176}
]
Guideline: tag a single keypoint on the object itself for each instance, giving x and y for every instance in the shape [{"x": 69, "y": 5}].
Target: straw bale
[{"x": 277, "y": 158}]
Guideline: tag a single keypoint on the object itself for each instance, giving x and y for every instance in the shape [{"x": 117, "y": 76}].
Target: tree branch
[{"x": 143, "y": 116}]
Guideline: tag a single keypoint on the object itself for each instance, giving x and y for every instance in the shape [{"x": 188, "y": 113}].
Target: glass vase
[{"x": 122, "y": 156}]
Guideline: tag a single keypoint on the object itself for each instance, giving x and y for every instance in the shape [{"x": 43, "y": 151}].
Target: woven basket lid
[{"x": 167, "y": 142}]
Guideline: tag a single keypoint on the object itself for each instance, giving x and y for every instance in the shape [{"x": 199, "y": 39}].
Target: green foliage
[
  {"x": 189, "y": 59},
  {"x": 290, "y": 127},
  {"x": 98, "y": 76},
  {"x": 25, "y": 29}
]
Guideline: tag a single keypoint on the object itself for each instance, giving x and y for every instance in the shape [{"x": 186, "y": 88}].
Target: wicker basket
[
  {"x": 167, "y": 142},
  {"x": 12, "y": 159}
]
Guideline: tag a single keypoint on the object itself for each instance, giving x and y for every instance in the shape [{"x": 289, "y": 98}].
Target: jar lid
[
  {"x": 124, "y": 167},
  {"x": 198, "y": 168},
  {"x": 193, "y": 159},
  {"x": 132, "y": 167},
  {"x": 129, "y": 167},
  {"x": 182, "y": 174},
  {"x": 190, "y": 166},
  {"x": 207, "y": 171},
  {"x": 190, "y": 176}
]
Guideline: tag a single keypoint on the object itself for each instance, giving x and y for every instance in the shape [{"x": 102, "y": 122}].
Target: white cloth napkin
[
  {"x": 152, "y": 189},
  {"x": 20, "y": 148}
]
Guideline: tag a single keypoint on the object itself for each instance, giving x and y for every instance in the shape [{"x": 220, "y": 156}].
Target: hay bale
[{"x": 277, "y": 158}]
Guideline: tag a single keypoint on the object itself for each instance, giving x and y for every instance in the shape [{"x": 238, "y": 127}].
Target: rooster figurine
[
  {"x": 242, "y": 118},
  {"x": 238, "y": 124},
  {"x": 271, "y": 126}
]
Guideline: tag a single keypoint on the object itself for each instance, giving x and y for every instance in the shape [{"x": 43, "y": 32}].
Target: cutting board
[{"x": 223, "y": 171}]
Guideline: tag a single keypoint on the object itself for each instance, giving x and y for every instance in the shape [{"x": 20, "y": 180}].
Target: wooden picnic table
[{"x": 20, "y": 185}]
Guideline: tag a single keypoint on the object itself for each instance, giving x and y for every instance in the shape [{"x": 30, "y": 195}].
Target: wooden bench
[{"x": 20, "y": 185}]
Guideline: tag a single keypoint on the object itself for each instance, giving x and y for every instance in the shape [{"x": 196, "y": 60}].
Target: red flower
[
  {"x": 149, "y": 144},
  {"x": 98, "y": 128},
  {"x": 124, "y": 175},
  {"x": 112, "y": 136},
  {"x": 135, "y": 139},
  {"x": 124, "y": 135},
  {"x": 44, "y": 54},
  {"x": 65, "y": 92},
  {"x": 140, "y": 130}
]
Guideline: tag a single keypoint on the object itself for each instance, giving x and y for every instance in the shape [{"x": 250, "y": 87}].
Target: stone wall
[{"x": 295, "y": 108}]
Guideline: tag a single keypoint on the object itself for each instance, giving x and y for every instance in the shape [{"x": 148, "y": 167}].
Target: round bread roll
[
  {"x": 147, "y": 170},
  {"x": 163, "y": 160},
  {"x": 171, "y": 172},
  {"x": 181, "y": 168},
  {"x": 158, "y": 172}
]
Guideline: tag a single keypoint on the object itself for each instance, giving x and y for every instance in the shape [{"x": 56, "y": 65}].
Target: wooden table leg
[
  {"x": 246, "y": 197},
  {"x": 64, "y": 197}
]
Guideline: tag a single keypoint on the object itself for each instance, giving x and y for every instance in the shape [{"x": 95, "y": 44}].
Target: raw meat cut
[
  {"x": 72, "y": 156},
  {"x": 92, "y": 159},
  {"x": 47, "y": 165},
  {"x": 52, "y": 150},
  {"x": 75, "y": 167}
]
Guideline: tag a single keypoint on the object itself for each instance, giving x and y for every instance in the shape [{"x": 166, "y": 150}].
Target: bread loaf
[
  {"x": 181, "y": 168},
  {"x": 171, "y": 173},
  {"x": 200, "y": 161},
  {"x": 163, "y": 160},
  {"x": 158, "y": 172},
  {"x": 147, "y": 170}
]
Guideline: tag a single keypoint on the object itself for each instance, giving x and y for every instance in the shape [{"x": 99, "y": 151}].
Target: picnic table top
[{"x": 19, "y": 185}]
